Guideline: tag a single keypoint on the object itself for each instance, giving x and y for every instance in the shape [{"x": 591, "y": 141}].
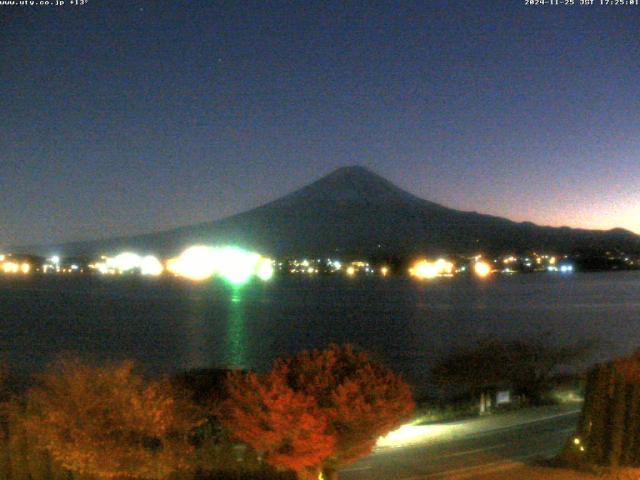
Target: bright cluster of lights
[
  {"x": 424, "y": 269},
  {"x": 13, "y": 266},
  {"x": 357, "y": 267},
  {"x": 331, "y": 266},
  {"x": 129, "y": 262},
  {"x": 238, "y": 266},
  {"x": 482, "y": 269},
  {"x": 265, "y": 269},
  {"x": 305, "y": 266},
  {"x": 233, "y": 264},
  {"x": 334, "y": 265},
  {"x": 564, "y": 268},
  {"x": 53, "y": 265}
]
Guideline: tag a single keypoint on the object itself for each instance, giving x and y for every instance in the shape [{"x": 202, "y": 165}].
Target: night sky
[{"x": 123, "y": 117}]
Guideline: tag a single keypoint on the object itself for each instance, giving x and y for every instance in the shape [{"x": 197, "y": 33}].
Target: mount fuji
[{"x": 355, "y": 212}]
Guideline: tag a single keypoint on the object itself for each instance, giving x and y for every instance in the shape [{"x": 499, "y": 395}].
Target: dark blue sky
[{"x": 122, "y": 117}]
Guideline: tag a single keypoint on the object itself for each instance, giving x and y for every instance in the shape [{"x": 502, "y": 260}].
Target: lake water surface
[{"x": 168, "y": 325}]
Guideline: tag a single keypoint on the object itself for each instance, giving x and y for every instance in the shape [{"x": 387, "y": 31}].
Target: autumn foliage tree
[
  {"x": 284, "y": 426},
  {"x": 317, "y": 410},
  {"x": 110, "y": 422}
]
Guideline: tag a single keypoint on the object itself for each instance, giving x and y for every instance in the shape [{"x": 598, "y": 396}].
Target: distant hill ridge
[{"x": 353, "y": 211}]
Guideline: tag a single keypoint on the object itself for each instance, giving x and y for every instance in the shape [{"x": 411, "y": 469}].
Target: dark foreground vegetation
[
  {"x": 608, "y": 435},
  {"x": 531, "y": 369},
  {"x": 312, "y": 413}
]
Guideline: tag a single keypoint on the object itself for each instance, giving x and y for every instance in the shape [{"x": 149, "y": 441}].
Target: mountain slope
[{"x": 353, "y": 211}]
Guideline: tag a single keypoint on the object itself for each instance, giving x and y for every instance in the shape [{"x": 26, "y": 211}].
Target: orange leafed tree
[
  {"x": 284, "y": 426},
  {"x": 110, "y": 422},
  {"x": 353, "y": 399},
  {"x": 361, "y": 398}
]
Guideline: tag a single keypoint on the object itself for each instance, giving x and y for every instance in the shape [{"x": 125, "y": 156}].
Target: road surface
[{"x": 468, "y": 449}]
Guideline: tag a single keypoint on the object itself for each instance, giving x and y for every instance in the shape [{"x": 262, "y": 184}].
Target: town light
[
  {"x": 233, "y": 264},
  {"x": 10, "y": 267},
  {"x": 566, "y": 268},
  {"x": 482, "y": 269},
  {"x": 424, "y": 269},
  {"x": 124, "y": 262},
  {"x": 265, "y": 269},
  {"x": 237, "y": 265},
  {"x": 195, "y": 263},
  {"x": 150, "y": 265}
]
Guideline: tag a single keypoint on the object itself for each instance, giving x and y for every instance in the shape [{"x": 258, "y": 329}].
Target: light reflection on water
[
  {"x": 236, "y": 353},
  {"x": 214, "y": 336},
  {"x": 169, "y": 326}
]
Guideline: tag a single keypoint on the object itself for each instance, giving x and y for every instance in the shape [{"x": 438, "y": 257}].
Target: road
[{"x": 468, "y": 449}]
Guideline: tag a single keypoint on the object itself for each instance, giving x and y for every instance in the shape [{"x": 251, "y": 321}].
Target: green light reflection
[{"x": 236, "y": 355}]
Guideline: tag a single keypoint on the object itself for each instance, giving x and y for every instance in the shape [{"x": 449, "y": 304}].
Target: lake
[{"x": 169, "y": 325}]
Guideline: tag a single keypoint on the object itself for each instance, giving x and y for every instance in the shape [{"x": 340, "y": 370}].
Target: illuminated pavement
[{"x": 469, "y": 448}]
